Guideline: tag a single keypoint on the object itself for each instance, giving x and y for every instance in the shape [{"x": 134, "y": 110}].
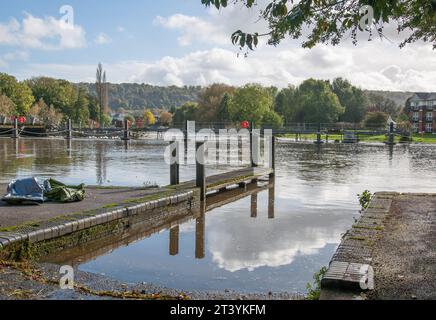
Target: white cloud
[
  {"x": 371, "y": 66},
  {"x": 217, "y": 27},
  {"x": 41, "y": 33},
  {"x": 6, "y": 58},
  {"x": 121, "y": 29},
  {"x": 102, "y": 38},
  {"x": 192, "y": 29}
]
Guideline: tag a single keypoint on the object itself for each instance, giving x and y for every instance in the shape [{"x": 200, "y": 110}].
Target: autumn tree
[
  {"x": 149, "y": 118},
  {"x": 329, "y": 21},
  {"x": 209, "y": 101},
  {"x": 7, "y": 106},
  {"x": 48, "y": 115},
  {"x": 166, "y": 118},
  {"x": 19, "y": 92}
]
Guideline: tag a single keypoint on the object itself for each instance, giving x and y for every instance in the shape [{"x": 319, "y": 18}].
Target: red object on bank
[
  {"x": 245, "y": 124},
  {"x": 21, "y": 120}
]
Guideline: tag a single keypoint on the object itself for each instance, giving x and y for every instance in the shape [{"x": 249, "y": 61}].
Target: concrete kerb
[
  {"x": 355, "y": 252},
  {"x": 48, "y": 233}
]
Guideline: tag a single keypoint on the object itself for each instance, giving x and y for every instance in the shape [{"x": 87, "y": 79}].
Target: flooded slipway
[{"x": 269, "y": 239}]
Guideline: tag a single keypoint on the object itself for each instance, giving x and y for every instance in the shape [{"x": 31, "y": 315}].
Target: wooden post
[
  {"x": 318, "y": 134},
  {"x": 273, "y": 157},
  {"x": 126, "y": 135},
  {"x": 200, "y": 169},
  {"x": 185, "y": 134},
  {"x": 15, "y": 130},
  {"x": 175, "y": 166},
  {"x": 69, "y": 130},
  {"x": 174, "y": 241},
  {"x": 253, "y": 164},
  {"x": 391, "y": 133}
]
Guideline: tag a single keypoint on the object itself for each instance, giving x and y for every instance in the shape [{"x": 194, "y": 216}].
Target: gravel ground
[
  {"x": 405, "y": 257},
  {"x": 18, "y": 285}
]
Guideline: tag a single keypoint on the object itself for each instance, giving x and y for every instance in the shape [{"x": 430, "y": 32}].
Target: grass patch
[{"x": 314, "y": 289}]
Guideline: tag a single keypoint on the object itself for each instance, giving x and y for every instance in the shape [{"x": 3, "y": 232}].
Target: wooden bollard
[
  {"x": 273, "y": 157},
  {"x": 200, "y": 169},
  {"x": 126, "y": 135},
  {"x": 252, "y": 142},
  {"x": 175, "y": 166},
  {"x": 15, "y": 130},
  {"x": 69, "y": 130}
]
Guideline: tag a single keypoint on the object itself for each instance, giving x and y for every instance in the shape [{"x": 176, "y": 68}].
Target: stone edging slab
[{"x": 350, "y": 267}]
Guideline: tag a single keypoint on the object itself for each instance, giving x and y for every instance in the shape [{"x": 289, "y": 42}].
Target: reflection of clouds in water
[{"x": 273, "y": 243}]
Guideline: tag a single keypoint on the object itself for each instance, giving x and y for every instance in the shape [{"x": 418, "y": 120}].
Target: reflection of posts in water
[
  {"x": 271, "y": 201},
  {"x": 101, "y": 162},
  {"x": 174, "y": 241},
  {"x": 69, "y": 130},
  {"x": 200, "y": 229},
  {"x": 254, "y": 205},
  {"x": 126, "y": 145},
  {"x": 391, "y": 152}
]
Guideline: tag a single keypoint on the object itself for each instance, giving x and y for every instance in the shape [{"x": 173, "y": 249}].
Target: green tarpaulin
[{"x": 60, "y": 192}]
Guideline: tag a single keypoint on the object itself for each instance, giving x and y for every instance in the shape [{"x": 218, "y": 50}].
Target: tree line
[{"x": 313, "y": 101}]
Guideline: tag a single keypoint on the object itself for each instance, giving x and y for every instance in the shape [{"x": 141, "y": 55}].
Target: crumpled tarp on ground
[{"x": 32, "y": 191}]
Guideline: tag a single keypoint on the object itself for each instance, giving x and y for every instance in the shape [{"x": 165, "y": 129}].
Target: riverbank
[
  {"x": 389, "y": 253},
  {"x": 423, "y": 139}
]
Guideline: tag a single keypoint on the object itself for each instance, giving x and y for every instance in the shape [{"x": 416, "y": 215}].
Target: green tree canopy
[
  {"x": 188, "y": 111},
  {"x": 251, "y": 103},
  {"x": 18, "y": 92},
  {"x": 285, "y": 104},
  {"x": 58, "y": 93},
  {"x": 317, "y": 103},
  {"x": 328, "y": 21},
  {"x": 354, "y": 100},
  {"x": 376, "y": 119},
  {"x": 81, "y": 107}
]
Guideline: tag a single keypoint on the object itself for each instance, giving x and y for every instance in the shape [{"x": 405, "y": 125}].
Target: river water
[{"x": 315, "y": 202}]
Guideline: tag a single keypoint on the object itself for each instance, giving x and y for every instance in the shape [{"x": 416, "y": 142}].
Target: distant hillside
[
  {"x": 398, "y": 97},
  {"x": 133, "y": 96}
]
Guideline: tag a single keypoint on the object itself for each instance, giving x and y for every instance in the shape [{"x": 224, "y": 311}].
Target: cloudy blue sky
[{"x": 174, "y": 42}]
